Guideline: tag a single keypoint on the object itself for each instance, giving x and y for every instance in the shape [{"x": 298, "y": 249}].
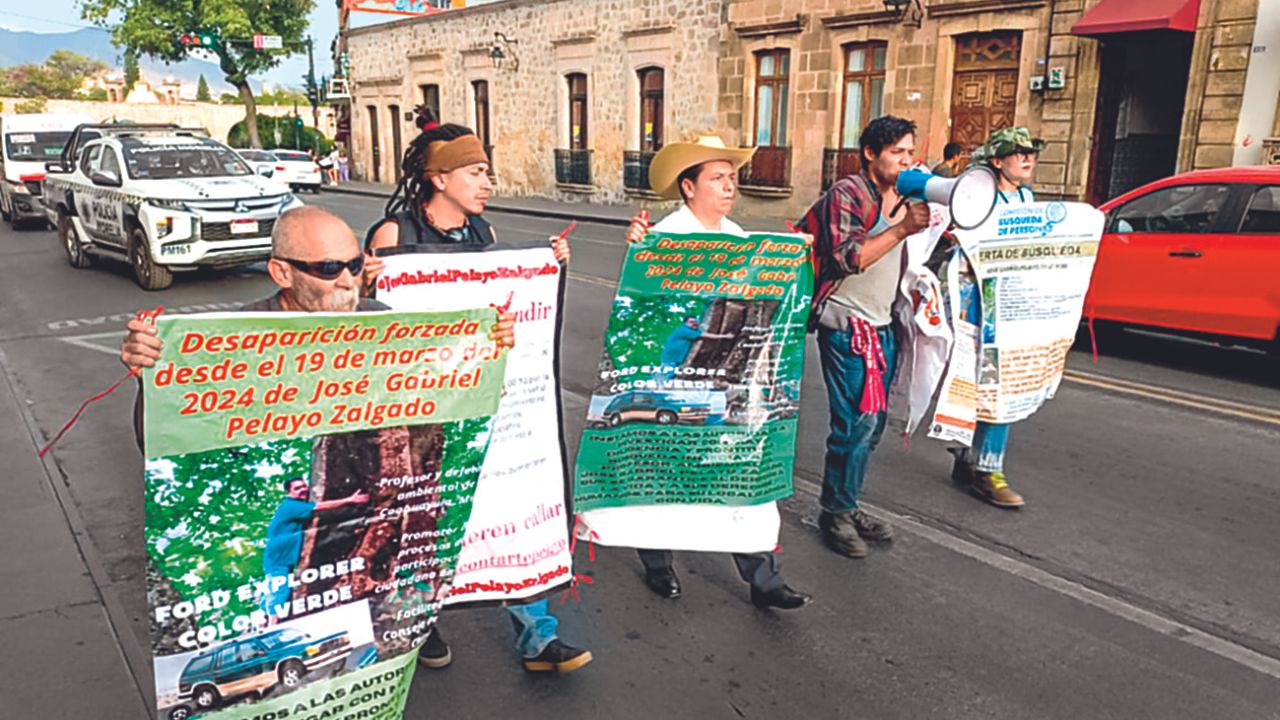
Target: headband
[{"x": 448, "y": 155}]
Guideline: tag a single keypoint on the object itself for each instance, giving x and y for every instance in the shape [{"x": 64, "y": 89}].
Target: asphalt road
[{"x": 1139, "y": 582}]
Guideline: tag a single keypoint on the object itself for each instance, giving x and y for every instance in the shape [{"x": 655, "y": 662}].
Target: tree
[
  {"x": 34, "y": 105},
  {"x": 61, "y": 76},
  {"x": 270, "y": 128},
  {"x": 152, "y": 27},
  {"x": 202, "y": 90},
  {"x": 95, "y": 94},
  {"x": 130, "y": 71}
]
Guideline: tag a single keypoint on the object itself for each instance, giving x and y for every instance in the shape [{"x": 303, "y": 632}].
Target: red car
[{"x": 1196, "y": 253}]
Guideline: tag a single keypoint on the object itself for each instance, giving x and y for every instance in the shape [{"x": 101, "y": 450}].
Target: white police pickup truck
[{"x": 162, "y": 198}]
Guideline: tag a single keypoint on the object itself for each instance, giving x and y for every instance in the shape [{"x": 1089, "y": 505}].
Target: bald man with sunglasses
[{"x": 317, "y": 264}]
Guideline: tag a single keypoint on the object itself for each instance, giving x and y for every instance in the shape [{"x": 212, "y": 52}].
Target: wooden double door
[{"x": 985, "y": 87}]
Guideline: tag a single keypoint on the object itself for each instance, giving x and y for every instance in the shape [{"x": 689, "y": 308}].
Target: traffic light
[{"x": 198, "y": 38}]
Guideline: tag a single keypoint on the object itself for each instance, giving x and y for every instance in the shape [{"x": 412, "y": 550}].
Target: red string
[
  {"x": 79, "y": 412},
  {"x": 146, "y": 315},
  {"x": 579, "y": 578}
]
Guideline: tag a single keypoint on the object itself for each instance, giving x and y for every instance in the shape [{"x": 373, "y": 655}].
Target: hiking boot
[
  {"x": 841, "y": 534},
  {"x": 869, "y": 528},
  {"x": 435, "y": 652},
  {"x": 558, "y": 657},
  {"x": 991, "y": 486}
]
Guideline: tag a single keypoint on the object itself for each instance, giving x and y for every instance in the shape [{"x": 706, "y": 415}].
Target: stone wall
[
  {"x": 608, "y": 40},
  {"x": 215, "y": 118},
  {"x": 1214, "y": 96}
]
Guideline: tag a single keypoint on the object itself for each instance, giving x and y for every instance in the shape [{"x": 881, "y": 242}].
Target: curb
[{"x": 499, "y": 207}]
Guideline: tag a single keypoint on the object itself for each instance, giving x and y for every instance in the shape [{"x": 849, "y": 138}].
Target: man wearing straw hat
[{"x": 703, "y": 174}]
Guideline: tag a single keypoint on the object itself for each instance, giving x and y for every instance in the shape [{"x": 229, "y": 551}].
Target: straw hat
[{"x": 678, "y": 157}]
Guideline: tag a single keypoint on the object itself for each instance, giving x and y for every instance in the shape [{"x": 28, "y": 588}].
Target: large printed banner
[
  {"x": 691, "y": 429},
  {"x": 517, "y": 541},
  {"x": 308, "y": 483},
  {"x": 1032, "y": 264}
]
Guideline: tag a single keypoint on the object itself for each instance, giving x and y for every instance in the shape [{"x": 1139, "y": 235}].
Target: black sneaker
[
  {"x": 435, "y": 652},
  {"x": 558, "y": 657},
  {"x": 870, "y": 528}
]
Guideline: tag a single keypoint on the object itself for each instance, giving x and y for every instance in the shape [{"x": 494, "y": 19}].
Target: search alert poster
[
  {"x": 691, "y": 429},
  {"x": 308, "y": 482}
]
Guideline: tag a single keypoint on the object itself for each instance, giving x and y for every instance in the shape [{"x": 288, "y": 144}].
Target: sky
[{"x": 55, "y": 16}]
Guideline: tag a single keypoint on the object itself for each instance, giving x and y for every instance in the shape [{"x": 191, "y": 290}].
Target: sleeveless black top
[{"x": 475, "y": 234}]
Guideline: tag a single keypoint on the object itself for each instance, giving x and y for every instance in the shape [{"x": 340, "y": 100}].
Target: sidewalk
[
  {"x": 59, "y": 653},
  {"x": 619, "y": 215}
]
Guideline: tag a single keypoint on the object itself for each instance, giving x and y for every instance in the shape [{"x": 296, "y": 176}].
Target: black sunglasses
[{"x": 327, "y": 269}]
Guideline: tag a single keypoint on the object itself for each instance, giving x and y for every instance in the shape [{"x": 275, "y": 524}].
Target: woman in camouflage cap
[{"x": 1011, "y": 153}]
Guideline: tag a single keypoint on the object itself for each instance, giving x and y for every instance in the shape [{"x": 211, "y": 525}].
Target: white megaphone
[{"x": 970, "y": 196}]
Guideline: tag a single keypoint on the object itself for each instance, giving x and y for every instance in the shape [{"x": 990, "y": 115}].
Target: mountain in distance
[{"x": 19, "y": 46}]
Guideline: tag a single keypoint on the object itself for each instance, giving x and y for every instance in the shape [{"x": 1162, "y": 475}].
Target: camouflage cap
[{"x": 1005, "y": 142}]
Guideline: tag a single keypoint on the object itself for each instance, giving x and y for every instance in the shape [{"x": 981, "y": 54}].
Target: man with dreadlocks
[{"x": 440, "y": 200}]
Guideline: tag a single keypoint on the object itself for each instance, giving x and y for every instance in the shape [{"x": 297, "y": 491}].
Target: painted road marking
[
  {"x": 108, "y": 343},
  {"x": 121, "y": 318},
  {"x": 1176, "y": 397},
  {"x": 1257, "y": 413},
  {"x": 1220, "y": 646},
  {"x": 1168, "y": 627}
]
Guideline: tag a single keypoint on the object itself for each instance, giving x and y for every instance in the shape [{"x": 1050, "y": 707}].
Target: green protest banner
[
  {"x": 294, "y": 568},
  {"x": 698, "y": 390},
  {"x": 235, "y": 379}
]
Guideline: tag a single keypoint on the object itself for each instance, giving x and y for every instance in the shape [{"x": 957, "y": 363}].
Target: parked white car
[
  {"x": 164, "y": 199},
  {"x": 297, "y": 169},
  {"x": 27, "y": 142},
  {"x": 262, "y": 161}
]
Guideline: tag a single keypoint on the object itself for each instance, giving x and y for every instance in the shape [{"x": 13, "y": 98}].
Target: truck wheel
[
  {"x": 76, "y": 255},
  {"x": 149, "y": 275},
  {"x": 666, "y": 417},
  {"x": 291, "y": 674},
  {"x": 206, "y": 697},
  {"x": 181, "y": 712}
]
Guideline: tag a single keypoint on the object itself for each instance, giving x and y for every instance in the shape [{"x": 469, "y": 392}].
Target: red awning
[{"x": 1118, "y": 16}]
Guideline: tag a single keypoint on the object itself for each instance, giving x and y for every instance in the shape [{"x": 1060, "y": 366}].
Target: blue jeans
[
  {"x": 989, "y": 443},
  {"x": 853, "y": 435},
  {"x": 535, "y": 627}
]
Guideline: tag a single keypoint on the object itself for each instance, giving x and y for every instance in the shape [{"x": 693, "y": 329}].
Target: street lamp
[
  {"x": 502, "y": 54},
  {"x": 907, "y": 11}
]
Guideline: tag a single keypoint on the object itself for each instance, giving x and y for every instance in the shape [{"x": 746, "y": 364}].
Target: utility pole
[{"x": 313, "y": 92}]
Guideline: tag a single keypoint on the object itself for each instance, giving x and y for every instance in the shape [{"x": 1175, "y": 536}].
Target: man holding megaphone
[{"x": 858, "y": 257}]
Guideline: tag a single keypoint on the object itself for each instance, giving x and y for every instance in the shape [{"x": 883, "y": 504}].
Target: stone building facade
[
  {"x": 1117, "y": 109},
  {"x": 581, "y": 112},
  {"x": 563, "y": 106}
]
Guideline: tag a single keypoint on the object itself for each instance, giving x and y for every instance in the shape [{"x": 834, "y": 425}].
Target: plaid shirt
[{"x": 840, "y": 222}]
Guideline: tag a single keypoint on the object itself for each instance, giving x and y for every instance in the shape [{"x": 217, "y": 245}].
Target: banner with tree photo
[
  {"x": 691, "y": 429},
  {"x": 308, "y": 483},
  {"x": 517, "y": 541}
]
